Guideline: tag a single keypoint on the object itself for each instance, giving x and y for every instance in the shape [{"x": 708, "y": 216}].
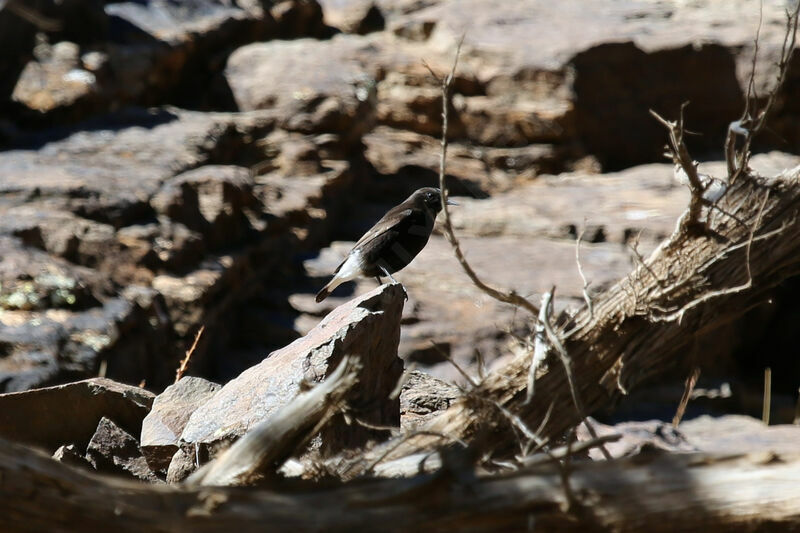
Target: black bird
[{"x": 393, "y": 242}]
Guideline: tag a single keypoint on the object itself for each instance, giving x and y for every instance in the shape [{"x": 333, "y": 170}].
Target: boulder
[
  {"x": 316, "y": 86},
  {"x": 368, "y": 326},
  {"x": 70, "y": 413},
  {"x": 105, "y": 55},
  {"x": 112, "y": 450},
  {"x": 213, "y": 200},
  {"x": 163, "y": 425}
]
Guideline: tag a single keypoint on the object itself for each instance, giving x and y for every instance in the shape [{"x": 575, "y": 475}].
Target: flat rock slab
[
  {"x": 367, "y": 326},
  {"x": 70, "y": 413}
]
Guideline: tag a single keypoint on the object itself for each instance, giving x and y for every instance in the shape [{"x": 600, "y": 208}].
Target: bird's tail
[
  {"x": 328, "y": 288},
  {"x": 321, "y": 295}
]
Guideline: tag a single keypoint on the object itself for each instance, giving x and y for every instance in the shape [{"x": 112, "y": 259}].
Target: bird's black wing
[{"x": 385, "y": 227}]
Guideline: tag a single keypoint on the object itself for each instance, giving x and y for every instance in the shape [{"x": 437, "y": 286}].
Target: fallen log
[
  {"x": 653, "y": 493},
  {"x": 693, "y": 283}
]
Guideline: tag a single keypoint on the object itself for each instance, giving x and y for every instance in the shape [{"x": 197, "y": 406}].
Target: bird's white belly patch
[{"x": 351, "y": 268}]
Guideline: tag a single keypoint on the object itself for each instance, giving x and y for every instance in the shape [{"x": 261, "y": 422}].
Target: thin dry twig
[
  {"x": 396, "y": 443},
  {"x": 586, "y": 284},
  {"x": 504, "y": 296},
  {"x": 573, "y": 388},
  {"x": 185, "y": 361},
  {"x": 748, "y": 126},
  {"x": 766, "y": 408},
  {"x": 691, "y": 381},
  {"x": 564, "y": 451},
  {"x": 540, "y": 346},
  {"x": 682, "y": 158},
  {"x": 447, "y": 357},
  {"x": 29, "y": 14}
]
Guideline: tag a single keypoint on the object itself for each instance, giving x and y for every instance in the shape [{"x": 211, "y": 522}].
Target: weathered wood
[
  {"x": 690, "y": 285},
  {"x": 651, "y": 493}
]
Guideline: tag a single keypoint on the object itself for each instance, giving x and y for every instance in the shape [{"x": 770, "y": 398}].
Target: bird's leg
[
  {"x": 405, "y": 293},
  {"x": 378, "y": 279},
  {"x": 383, "y": 269}
]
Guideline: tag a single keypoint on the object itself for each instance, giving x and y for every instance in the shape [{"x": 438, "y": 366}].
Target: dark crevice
[{"x": 615, "y": 85}]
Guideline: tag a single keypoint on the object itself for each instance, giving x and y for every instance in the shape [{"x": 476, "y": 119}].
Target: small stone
[{"x": 113, "y": 450}]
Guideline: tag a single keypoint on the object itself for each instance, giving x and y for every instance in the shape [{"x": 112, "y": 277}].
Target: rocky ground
[{"x": 172, "y": 165}]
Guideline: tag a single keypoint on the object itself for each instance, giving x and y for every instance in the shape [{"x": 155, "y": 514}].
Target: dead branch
[
  {"x": 682, "y": 159},
  {"x": 750, "y": 125},
  {"x": 555, "y": 341},
  {"x": 586, "y": 283},
  {"x": 504, "y": 296},
  {"x": 695, "y": 492},
  {"x": 272, "y": 441},
  {"x": 625, "y": 343},
  {"x": 540, "y": 346}
]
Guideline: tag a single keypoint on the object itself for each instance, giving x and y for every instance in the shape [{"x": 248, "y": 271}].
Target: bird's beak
[{"x": 451, "y": 202}]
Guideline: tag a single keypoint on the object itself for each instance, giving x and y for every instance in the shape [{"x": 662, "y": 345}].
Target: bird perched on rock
[{"x": 393, "y": 242}]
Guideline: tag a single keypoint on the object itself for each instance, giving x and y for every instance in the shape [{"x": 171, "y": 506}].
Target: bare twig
[
  {"x": 505, "y": 296},
  {"x": 749, "y": 125},
  {"x": 185, "y": 361},
  {"x": 682, "y": 158},
  {"x": 29, "y": 14},
  {"x": 458, "y": 367},
  {"x": 767, "y": 395},
  {"x": 563, "y": 451},
  {"x": 401, "y": 381},
  {"x": 396, "y": 443},
  {"x": 573, "y": 388},
  {"x": 586, "y": 284},
  {"x": 540, "y": 346},
  {"x": 691, "y": 381}
]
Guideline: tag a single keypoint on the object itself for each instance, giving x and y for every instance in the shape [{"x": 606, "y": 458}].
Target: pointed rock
[{"x": 368, "y": 326}]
